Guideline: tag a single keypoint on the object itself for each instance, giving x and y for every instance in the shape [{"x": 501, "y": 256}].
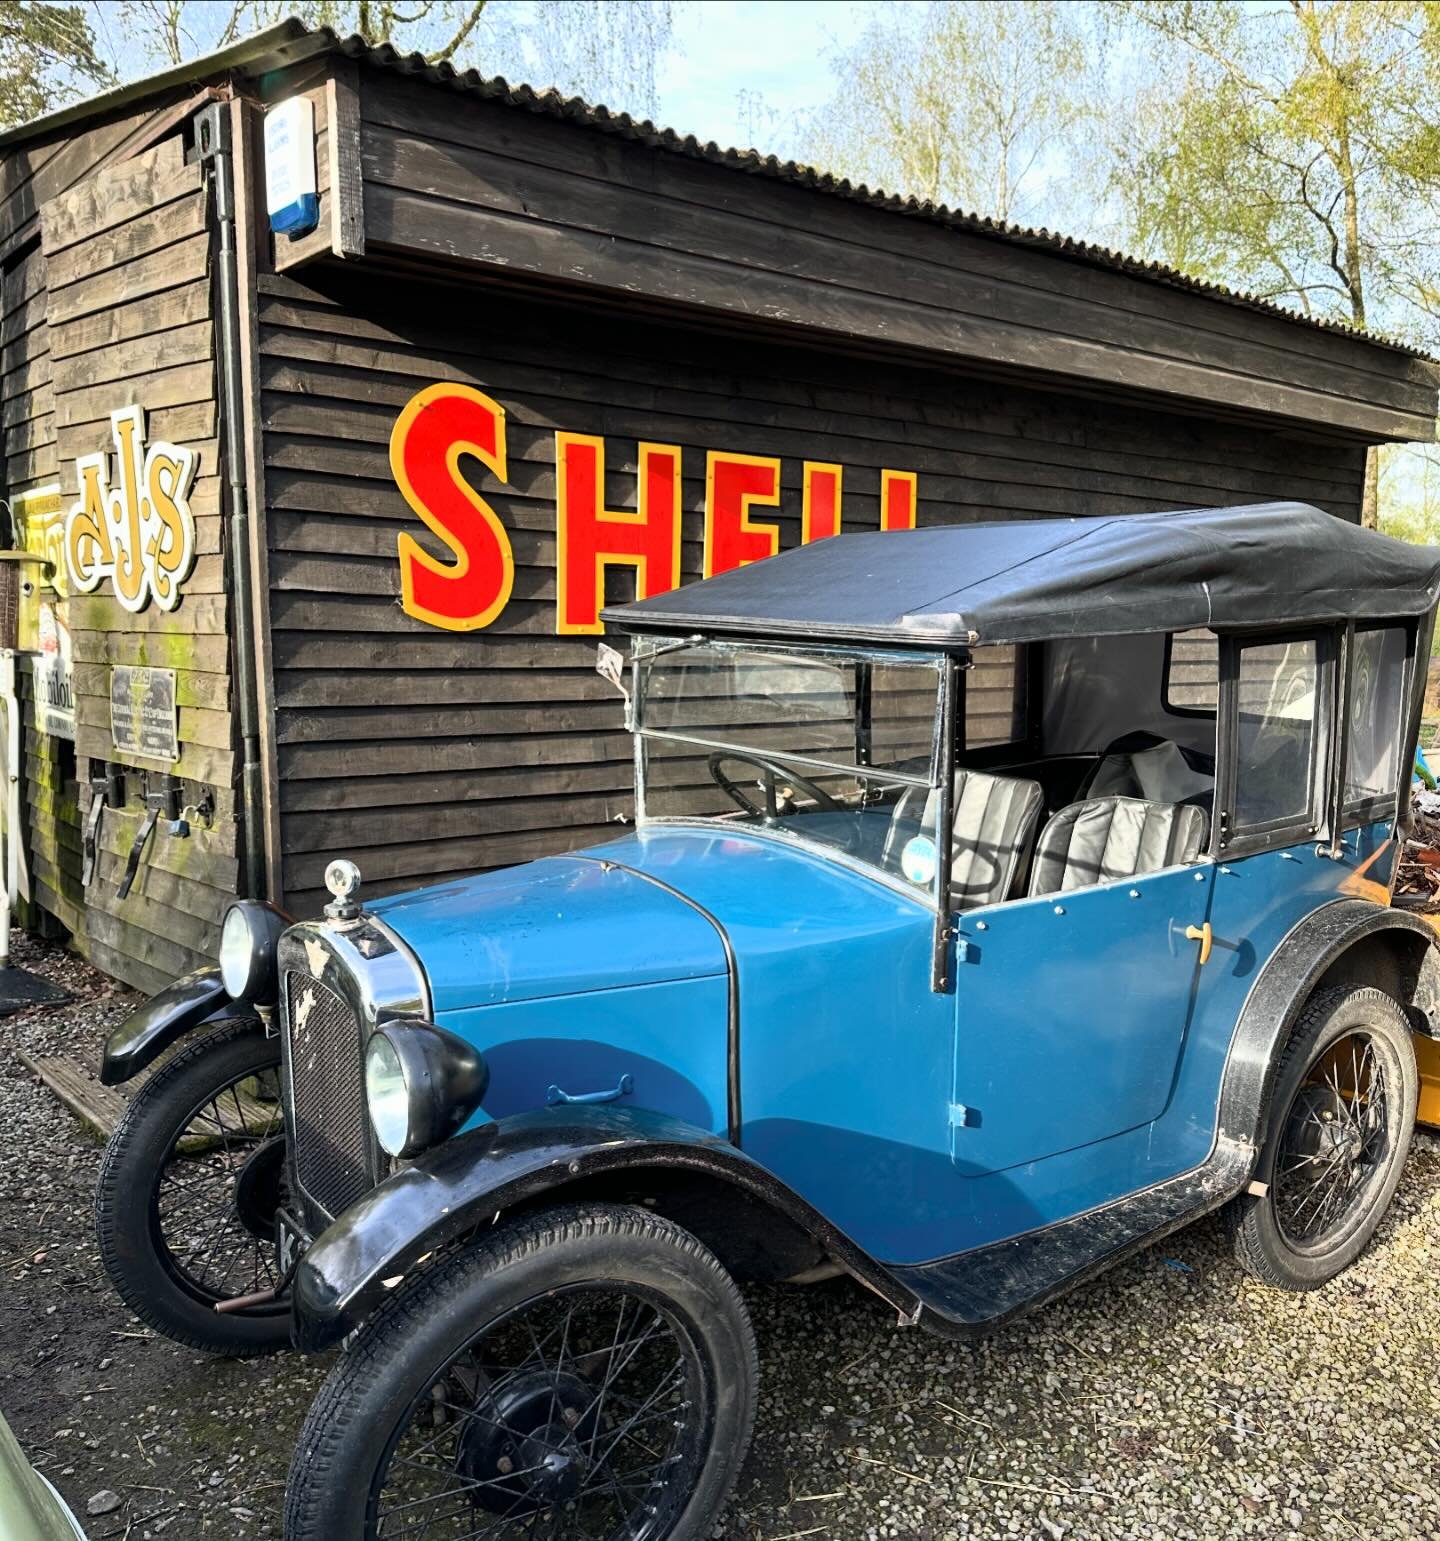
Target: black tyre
[
  {"x": 188, "y": 1188},
  {"x": 587, "y": 1373},
  {"x": 1342, "y": 1114}
]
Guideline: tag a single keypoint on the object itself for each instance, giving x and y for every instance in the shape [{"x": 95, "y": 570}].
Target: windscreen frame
[{"x": 646, "y": 650}]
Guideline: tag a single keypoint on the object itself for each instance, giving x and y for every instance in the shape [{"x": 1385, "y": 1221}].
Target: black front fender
[
  {"x": 145, "y": 1034},
  {"x": 460, "y": 1186}
]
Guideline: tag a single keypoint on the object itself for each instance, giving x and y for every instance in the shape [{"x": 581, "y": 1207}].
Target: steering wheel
[{"x": 771, "y": 776}]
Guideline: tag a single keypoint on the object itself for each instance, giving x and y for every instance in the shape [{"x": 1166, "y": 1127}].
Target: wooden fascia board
[{"x": 572, "y": 258}]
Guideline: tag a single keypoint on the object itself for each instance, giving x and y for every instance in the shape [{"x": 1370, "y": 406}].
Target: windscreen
[{"x": 822, "y": 746}]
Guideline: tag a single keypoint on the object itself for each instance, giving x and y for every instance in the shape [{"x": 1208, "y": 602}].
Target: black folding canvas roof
[{"x": 1267, "y": 564}]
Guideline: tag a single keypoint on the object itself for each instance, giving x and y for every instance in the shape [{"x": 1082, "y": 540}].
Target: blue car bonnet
[{"x": 563, "y": 925}]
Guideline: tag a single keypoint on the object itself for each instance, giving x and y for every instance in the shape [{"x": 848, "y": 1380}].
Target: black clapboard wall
[
  {"x": 30, "y": 460},
  {"x": 128, "y": 257},
  {"x": 423, "y": 753}
]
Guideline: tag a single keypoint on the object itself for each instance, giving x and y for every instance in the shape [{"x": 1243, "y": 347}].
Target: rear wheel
[
  {"x": 1343, "y": 1112},
  {"x": 587, "y": 1374},
  {"x": 189, "y": 1185}
]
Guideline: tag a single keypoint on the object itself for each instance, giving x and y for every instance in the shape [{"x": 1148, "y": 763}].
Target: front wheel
[
  {"x": 585, "y": 1374},
  {"x": 1343, "y": 1112},
  {"x": 189, "y": 1185}
]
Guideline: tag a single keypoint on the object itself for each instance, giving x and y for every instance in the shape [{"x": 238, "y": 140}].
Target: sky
[
  {"x": 722, "y": 53},
  {"x": 722, "y": 49}
]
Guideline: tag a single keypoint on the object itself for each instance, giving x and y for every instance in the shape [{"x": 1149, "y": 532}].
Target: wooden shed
[{"x": 331, "y": 512}]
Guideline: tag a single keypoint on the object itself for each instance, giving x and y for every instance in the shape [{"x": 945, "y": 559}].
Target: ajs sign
[
  {"x": 139, "y": 532},
  {"x": 446, "y": 422}
]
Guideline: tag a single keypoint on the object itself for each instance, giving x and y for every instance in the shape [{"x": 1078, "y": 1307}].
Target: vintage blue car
[{"x": 1000, "y": 897}]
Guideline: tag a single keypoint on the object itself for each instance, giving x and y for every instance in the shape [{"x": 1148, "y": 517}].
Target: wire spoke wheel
[
  {"x": 216, "y": 1192},
  {"x": 1335, "y": 1143},
  {"x": 581, "y": 1414},
  {"x": 188, "y": 1188},
  {"x": 584, "y": 1372},
  {"x": 1341, "y": 1117}
]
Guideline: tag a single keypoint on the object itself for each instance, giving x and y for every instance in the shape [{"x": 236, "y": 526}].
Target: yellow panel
[
  {"x": 40, "y": 528},
  {"x": 1427, "y": 1056}
]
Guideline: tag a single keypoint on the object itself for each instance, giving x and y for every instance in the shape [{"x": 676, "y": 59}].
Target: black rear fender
[
  {"x": 164, "y": 1019},
  {"x": 456, "y": 1191},
  {"x": 1352, "y": 941}
]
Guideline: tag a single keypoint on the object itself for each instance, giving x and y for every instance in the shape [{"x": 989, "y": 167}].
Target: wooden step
[
  {"x": 96, "y": 1105},
  {"x": 102, "y": 1106}
]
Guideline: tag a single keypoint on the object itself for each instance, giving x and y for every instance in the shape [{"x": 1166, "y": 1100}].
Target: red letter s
[{"x": 438, "y": 426}]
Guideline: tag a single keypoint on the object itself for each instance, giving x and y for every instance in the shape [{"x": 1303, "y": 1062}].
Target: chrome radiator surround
[{"x": 343, "y": 980}]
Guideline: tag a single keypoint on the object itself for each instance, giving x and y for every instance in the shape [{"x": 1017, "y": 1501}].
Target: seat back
[
  {"x": 992, "y": 828},
  {"x": 1159, "y": 773},
  {"x": 1104, "y": 838}
]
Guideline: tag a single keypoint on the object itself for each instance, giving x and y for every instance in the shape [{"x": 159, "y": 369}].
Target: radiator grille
[{"x": 333, "y": 1148}]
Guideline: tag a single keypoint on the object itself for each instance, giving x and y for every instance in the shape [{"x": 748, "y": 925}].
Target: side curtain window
[
  {"x": 995, "y": 704},
  {"x": 1192, "y": 673},
  {"x": 1278, "y": 732},
  {"x": 1377, "y": 690}
]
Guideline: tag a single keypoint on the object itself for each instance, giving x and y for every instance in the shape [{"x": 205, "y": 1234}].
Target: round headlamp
[
  {"x": 421, "y": 1084},
  {"x": 248, "y": 938}
]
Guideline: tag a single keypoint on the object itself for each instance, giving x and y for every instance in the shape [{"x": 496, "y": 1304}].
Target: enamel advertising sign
[
  {"x": 136, "y": 530},
  {"x": 44, "y": 627},
  {"x": 469, "y": 590}
]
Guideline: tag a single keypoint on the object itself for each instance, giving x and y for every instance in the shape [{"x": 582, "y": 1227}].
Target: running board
[{"x": 991, "y": 1285}]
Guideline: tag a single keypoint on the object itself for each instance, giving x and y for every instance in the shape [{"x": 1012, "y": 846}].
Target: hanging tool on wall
[
  {"x": 163, "y": 795},
  {"x": 164, "y": 800},
  {"x": 107, "y": 789}
]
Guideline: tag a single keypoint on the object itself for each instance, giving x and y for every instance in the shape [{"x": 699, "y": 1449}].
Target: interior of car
[
  {"x": 1117, "y": 777},
  {"x": 1078, "y": 761}
]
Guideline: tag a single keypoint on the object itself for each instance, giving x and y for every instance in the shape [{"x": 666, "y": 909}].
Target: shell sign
[
  {"x": 470, "y": 589},
  {"x": 138, "y": 532}
]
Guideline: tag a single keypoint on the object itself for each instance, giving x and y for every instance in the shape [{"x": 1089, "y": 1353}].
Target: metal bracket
[
  {"x": 212, "y": 131},
  {"x": 132, "y": 862},
  {"x": 165, "y": 794}
]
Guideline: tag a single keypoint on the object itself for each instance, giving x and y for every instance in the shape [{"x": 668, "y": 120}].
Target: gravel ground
[{"x": 1172, "y": 1398}]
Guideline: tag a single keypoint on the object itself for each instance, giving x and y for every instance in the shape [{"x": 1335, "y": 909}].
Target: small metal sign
[{"x": 142, "y": 712}]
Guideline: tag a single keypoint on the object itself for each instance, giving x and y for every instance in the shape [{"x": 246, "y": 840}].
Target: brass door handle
[{"x": 1204, "y": 935}]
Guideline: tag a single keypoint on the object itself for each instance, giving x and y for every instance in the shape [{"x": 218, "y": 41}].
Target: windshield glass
[{"x": 835, "y": 748}]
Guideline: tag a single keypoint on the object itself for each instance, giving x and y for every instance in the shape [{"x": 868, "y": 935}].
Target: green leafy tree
[
  {"x": 980, "y": 105},
  {"x": 1410, "y": 494},
  {"x": 1291, "y": 150},
  {"x": 47, "y": 56}
]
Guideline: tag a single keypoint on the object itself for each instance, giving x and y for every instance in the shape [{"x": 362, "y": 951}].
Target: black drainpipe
[{"x": 212, "y": 140}]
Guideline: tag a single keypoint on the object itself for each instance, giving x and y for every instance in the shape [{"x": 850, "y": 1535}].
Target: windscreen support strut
[{"x": 952, "y": 714}]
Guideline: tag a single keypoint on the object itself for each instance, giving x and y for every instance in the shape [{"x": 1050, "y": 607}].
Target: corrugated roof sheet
[{"x": 290, "y": 40}]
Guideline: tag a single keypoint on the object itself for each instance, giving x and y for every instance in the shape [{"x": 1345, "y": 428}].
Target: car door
[
  {"x": 1278, "y": 864},
  {"x": 1071, "y": 1013}
]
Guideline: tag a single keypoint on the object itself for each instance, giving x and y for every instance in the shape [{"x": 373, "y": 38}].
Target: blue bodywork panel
[
  {"x": 573, "y": 974},
  {"x": 1078, "y": 1058},
  {"x": 561, "y": 926},
  {"x": 1086, "y": 992},
  {"x": 845, "y": 1051},
  {"x": 1118, "y": 1027}
]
